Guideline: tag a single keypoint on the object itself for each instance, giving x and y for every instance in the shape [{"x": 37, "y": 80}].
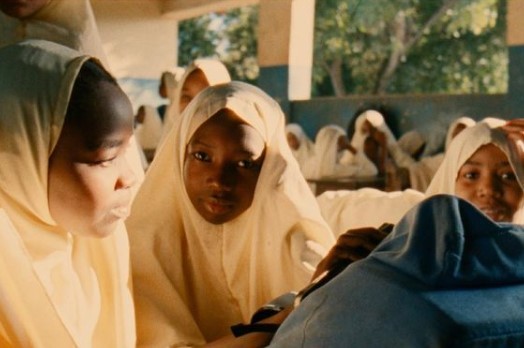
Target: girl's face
[
  {"x": 89, "y": 177},
  {"x": 488, "y": 181},
  {"x": 195, "y": 82},
  {"x": 221, "y": 167}
]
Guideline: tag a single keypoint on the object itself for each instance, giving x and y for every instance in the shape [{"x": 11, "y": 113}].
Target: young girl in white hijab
[
  {"x": 235, "y": 224},
  {"x": 302, "y": 148},
  {"x": 333, "y": 157},
  {"x": 65, "y": 187},
  {"x": 201, "y": 73}
]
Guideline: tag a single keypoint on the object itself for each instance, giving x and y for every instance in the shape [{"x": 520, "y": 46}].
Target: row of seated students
[
  {"x": 223, "y": 223},
  {"x": 371, "y": 150}
]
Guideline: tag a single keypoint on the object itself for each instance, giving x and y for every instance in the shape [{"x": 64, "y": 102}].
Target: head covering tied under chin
[
  {"x": 75, "y": 288},
  {"x": 194, "y": 279}
]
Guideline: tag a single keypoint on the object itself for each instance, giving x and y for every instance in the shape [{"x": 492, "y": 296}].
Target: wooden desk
[{"x": 347, "y": 183}]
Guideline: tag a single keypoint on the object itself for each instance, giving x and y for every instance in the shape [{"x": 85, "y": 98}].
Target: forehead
[
  {"x": 489, "y": 154},
  {"x": 228, "y": 126}
]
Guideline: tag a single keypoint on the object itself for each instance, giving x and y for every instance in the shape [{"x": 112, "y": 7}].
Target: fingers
[{"x": 351, "y": 246}]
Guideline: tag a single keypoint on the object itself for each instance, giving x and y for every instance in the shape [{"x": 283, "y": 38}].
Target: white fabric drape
[
  {"x": 331, "y": 163},
  {"x": 193, "y": 279},
  {"x": 149, "y": 132},
  {"x": 306, "y": 151},
  {"x": 57, "y": 289},
  {"x": 67, "y": 22}
]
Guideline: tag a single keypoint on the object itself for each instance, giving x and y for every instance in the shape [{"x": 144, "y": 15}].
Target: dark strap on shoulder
[{"x": 243, "y": 329}]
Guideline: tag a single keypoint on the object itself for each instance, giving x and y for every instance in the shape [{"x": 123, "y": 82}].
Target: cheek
[{"x": 463, "y": 190}]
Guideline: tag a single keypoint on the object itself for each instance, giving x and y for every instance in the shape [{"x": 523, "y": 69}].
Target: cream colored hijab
[
  {"x": 192, "y": 279},
  {"x": 67, "y": 22},
  {"x": 149, "y": 132},
  {"x": 463, "y": 146},
  {"x": 57, "y": 290},
  {"x": 215, "y": 72},
  {"x": 306, "y": 150}
]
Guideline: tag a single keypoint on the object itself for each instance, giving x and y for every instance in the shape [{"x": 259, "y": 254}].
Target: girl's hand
[{"x": 351, "y": 246}]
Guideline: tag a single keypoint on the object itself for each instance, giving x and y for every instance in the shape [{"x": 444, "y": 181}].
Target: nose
[
  {"x": 127, "y": 176},
  {"x": 221, "y": 176},
  {"x": 489, "y": 186}
]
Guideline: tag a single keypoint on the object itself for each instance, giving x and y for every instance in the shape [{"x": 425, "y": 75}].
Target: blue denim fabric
[{"x": 447, "y": 276}]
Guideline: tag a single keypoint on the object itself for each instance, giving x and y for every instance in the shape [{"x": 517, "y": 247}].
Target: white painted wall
[{"x": 138, "y": 40}]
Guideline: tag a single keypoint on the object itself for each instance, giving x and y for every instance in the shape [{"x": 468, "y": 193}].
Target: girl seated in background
[
  {"x": 65, "y": 187},
  {"x": 235, "y": 223},
  {"x": 334, "y": 157},
  {"x": 198, "y": 75},
  {"x": 302, "y": 148}
]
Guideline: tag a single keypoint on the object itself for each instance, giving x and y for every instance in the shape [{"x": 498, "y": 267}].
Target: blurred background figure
[{"x": 302, "y": 148}]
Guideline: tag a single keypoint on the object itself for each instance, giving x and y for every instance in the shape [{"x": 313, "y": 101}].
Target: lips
[
  {"x": 218, "y": 205},
  {"x": 495, "y": 213},
  {"x": 121, "y": 212}
]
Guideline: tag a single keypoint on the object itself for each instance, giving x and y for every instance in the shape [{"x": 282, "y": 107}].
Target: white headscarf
[
  {"x": 463, "y": 146},
  {"x": 214, "y": 71},
  {"x": 306, "y": 149},
  {"x": 465, "y": 121},
  {"x": 329, "y": 162},
  {"x": 67, "y": 22},
  {"x": 57, "y": 289},
  {"x": 193, "y": 279},
  {"x": 149, "y": 132}
]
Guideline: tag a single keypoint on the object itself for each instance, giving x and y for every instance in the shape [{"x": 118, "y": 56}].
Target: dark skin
[{"x": 351, "y": 246}]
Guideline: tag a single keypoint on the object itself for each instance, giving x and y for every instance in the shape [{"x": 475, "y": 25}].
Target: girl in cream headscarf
[
  {"x": 483, "y": 167},
  {"x": 65, "y": 187},
  {"x": 302, "y": 148},
  {"x": 201, "y": 73},
  {"x": 333, "y": 156},
  {"x": 235, "y": 223}
]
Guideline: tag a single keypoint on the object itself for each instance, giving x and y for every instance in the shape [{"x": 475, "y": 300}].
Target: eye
[
  {"x": 247, "y": 164},
  {"x": 103, "y": 163},
  {"x": 201, "y": 156},
  {"x": 508, "y": 176},
  {"x": 470, "y": 175}
]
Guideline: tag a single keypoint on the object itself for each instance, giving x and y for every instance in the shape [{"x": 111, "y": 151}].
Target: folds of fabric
[
  {"x": 193, "y": 279},
  {"x": 306, "y": 151}
]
